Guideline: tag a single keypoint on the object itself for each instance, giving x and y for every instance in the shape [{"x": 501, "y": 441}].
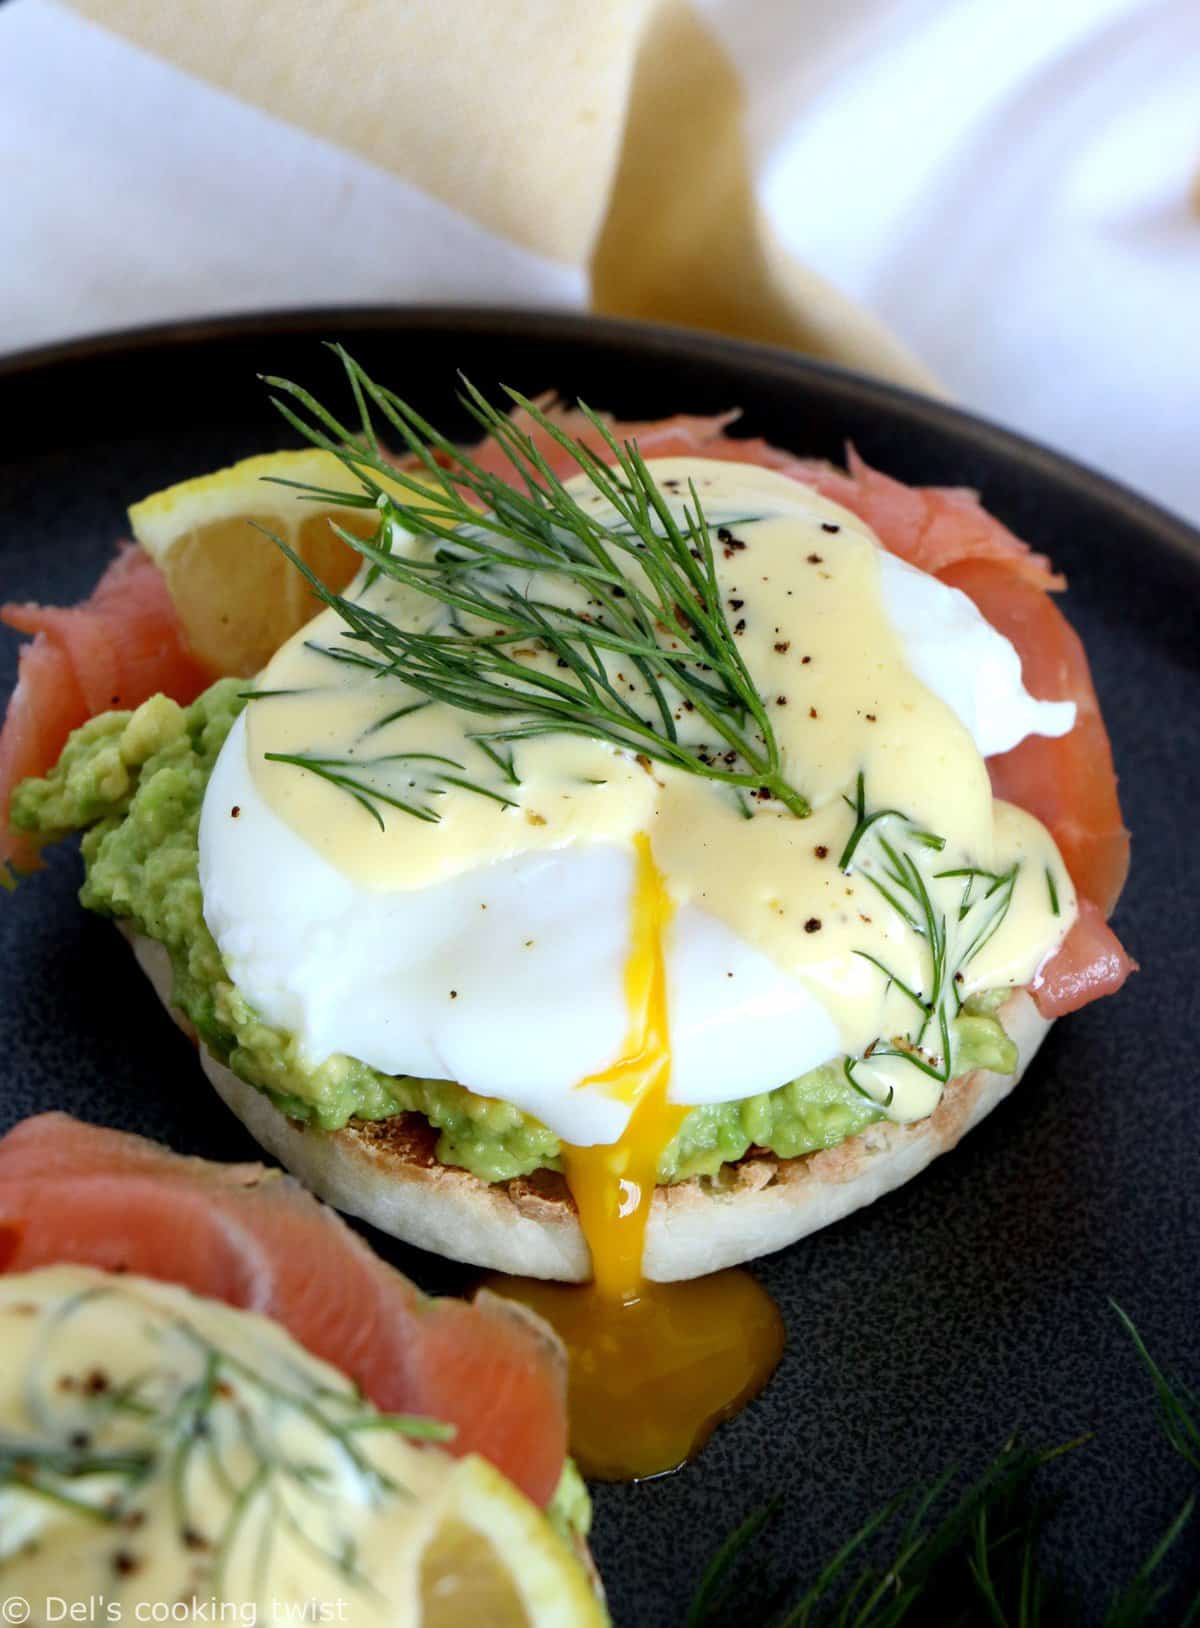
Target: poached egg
[{"x": 491, "y": 948}]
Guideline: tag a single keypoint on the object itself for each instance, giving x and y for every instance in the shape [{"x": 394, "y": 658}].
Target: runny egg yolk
[
  {"x": 613, "y": 1186},
  {"x": 653, "y": 1367}
]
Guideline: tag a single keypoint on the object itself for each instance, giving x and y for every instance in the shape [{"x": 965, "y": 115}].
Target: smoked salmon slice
[
  {"x": 119, "y": 647},
  {"x": 71, "y": 1192},
  {"x": 929, "y": 526},
  {"x": 932, "y": 527},
  {"x": 1090, "y": 962},
  {"x": 44, "y": 708},
  {"x": 683, "y": 436}
]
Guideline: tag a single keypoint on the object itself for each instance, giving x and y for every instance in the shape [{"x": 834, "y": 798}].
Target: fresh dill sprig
[
  {"x": 1179, "y": 1420},
  {"x": 719, "y": 1581},
  {"x": 970, "y": 1553},
  {"x": 928, "y": 1557},
  {"x": 508, "y": 556},
  {"x": 885, "y": 847},
  {"x": 63, "y": 1475},
  {"x": 369, "y": 794},
  {"x": 1179, "y": 1407},
  {"x": 1052, "y": 890}
]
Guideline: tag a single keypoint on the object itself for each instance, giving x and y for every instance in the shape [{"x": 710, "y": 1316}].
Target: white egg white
[{"x": 960, "y": 656}]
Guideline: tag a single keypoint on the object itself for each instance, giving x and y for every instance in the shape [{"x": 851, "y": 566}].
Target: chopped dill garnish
[
  {"x": 929, "y": 1555},
  {"x": 1052, "y": 889},
  {"x": 885, "y": 847},
  {"x": 499, "y": 555},
  {"x": 240, "y": 1451},
  {"x": 369, "y": 793}
]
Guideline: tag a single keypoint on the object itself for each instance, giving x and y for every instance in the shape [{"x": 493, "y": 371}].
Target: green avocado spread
[{"x": 133, "y": 784}]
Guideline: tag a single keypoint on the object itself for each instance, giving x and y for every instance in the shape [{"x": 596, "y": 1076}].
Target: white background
[{"x": 1012, "y": 185}]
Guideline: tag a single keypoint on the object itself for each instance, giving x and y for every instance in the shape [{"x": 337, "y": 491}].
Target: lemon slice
[
  {"x": 237, "y": 594},
  {"x": 494, "y": 1559}
]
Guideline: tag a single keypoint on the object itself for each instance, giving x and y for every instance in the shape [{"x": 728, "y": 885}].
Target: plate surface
[{"x": 925, "y": 1330}]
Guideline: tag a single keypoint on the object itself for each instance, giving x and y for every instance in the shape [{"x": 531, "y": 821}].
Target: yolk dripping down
[
  {"x": 613, "y": 1186},
  {"x": 653, "y": 1366}
]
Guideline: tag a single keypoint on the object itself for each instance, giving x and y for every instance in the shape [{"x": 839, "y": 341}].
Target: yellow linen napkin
[{"x": 606, "y": 134}]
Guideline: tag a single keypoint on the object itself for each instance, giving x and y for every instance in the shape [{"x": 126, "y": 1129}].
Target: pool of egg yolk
[{"x": 652, "y": 1367}]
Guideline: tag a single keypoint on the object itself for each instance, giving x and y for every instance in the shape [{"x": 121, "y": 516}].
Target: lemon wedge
[
  {"x": 237, "y": 594},
  {"x": 494, "y": 1558}
]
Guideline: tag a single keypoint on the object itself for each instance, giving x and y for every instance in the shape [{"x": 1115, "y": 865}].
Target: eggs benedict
[
  {"x": 608, "y": 884},
  {"x": 216, "y": 1403}
]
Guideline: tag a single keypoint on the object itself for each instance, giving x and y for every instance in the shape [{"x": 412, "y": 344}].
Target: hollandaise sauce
[
  {"x": 807, "y": 868},
  {"x": 159, "y": 1447}
]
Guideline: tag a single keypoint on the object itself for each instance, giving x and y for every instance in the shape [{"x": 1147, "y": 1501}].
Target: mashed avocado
[{"x": 133, "y": 783}]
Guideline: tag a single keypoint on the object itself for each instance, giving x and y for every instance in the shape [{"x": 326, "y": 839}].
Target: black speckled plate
[{"x": 927, "y": 1328}]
